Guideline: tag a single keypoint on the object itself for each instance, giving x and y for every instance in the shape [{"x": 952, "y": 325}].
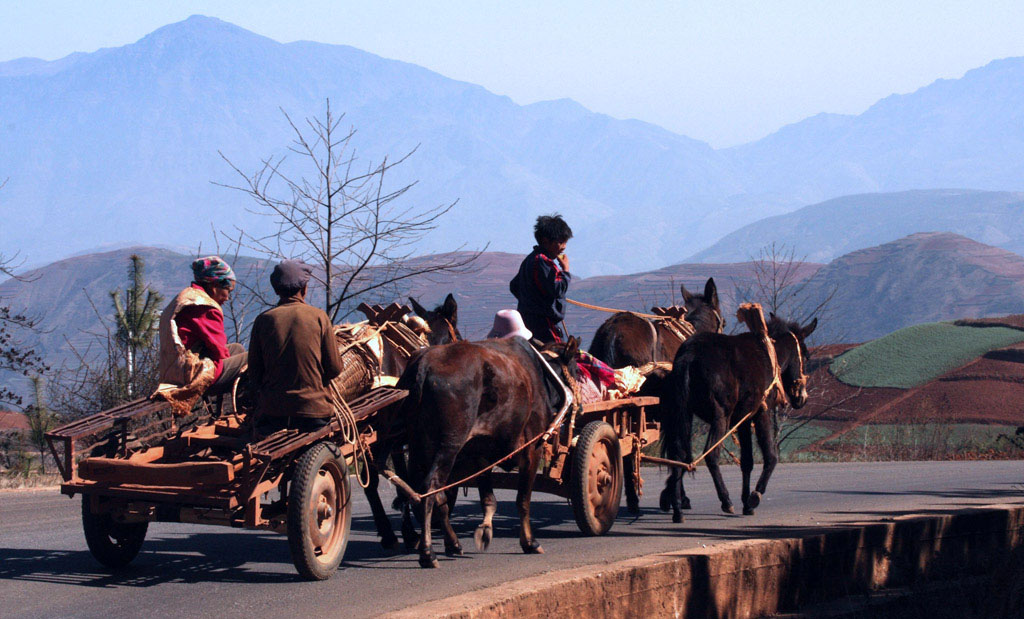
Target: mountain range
[
  {"x": 925, "y": 277},
  {"x": 121, "y": 145}
]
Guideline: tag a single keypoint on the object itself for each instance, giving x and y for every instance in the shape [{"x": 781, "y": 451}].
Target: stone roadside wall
[{"x": 917, "y": 555}]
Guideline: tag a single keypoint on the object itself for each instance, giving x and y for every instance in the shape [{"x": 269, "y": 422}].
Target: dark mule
[
  {"x": 628, "y": 339},
  {"x": 720, "y": 379},
  {"x": 442, "y": 321},
  {"x": 442, "y": 328},
  {"x": 469, "y": 405}
]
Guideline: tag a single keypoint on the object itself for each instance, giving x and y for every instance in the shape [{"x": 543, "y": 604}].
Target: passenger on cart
[
  {"x": 293, "y": 356},
  {"x": 195, "y": 357},
  {"x": 543, "y": 279},
  {"x": 597, "y": 380}
]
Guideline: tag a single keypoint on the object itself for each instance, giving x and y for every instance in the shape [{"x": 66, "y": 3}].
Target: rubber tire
[
  {"x": 596, "y": 435},
  {"x": 308, "y": 482},
  {"x": 114, "y": 544}
]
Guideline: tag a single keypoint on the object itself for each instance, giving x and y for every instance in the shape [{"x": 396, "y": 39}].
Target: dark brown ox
[
  {"x": 469, "y": 405},
  {"x": 629, "y": 339},
  {"x": 720, "y": 379}
]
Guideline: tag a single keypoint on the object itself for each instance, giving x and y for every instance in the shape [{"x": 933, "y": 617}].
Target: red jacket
[{"x": 201, "y": 325}]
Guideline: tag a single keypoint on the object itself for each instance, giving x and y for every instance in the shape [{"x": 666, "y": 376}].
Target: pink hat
[{"x": 508, "y": 323}]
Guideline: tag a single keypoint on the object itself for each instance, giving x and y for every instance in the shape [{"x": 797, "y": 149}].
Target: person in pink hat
[{"x": 509, "y": 323}]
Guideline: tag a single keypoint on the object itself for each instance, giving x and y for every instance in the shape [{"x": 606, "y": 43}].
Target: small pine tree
[
  {"x": 136, "y": 317},
  {"x": 40, "y": 421}
]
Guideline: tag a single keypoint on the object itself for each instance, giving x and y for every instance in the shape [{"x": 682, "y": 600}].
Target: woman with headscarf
[{"x": 194, "y": 352}]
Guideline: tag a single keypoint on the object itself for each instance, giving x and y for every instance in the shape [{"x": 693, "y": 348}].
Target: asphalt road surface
[{"x": 193, "y": 570}]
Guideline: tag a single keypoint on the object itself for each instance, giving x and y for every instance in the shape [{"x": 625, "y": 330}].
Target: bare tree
[
  {"x": 15, "y": 356},
  {"x": 780, "y": 286},
  {"x": 40, "y": 420},
  {"x": 343, "y": 216}
]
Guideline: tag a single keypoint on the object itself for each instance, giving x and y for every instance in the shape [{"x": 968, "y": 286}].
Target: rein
[{"x": 616, "y": 311}]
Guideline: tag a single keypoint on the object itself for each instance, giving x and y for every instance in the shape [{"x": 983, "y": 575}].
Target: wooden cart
[
  {"x": 208, "y": 469},
  {"x": 588, "y": 459}
]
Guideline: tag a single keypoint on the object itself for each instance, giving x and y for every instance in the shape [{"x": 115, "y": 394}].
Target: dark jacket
[
  {"x": 293, "y": 357},
  {"x": 540, "y": 286}
]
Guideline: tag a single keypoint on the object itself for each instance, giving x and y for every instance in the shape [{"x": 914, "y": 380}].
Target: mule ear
[
  {"x": 711, "y": 292},
  {"x": 450, "y": 309},
  {"x": 809, "y": 328},
  {"x": 419, "y": 309},
  {"x": 687, "y": 295}
]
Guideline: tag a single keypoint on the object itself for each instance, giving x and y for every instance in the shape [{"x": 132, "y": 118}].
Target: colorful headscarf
[{"x": 212, "y": 270}]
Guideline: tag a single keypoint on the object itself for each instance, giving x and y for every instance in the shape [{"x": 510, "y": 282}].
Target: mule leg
[
  {"x": 489, "y": 505},
  {"x": 770, "y": 454},
  {"x": 746, "y": 465},
  {"x": 452, "y": 547},
  {"x": 527, "y": 473},
  {"x": 718, "y": 430},
  {"x": 438, "y": 475},
  {"x": 380, "y": 517},
  {"x": 632, "y": 500},
  {"x": 410, "y": 538}
]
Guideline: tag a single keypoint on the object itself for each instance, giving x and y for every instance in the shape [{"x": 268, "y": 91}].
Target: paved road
[{"x": 190, "y": 570}]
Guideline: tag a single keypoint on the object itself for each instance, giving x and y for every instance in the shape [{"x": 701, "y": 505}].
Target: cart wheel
[
  {"x": 114, "y": 544},
  {"x": 319, "y": 512},
  {"x": 596, "y": 485}
]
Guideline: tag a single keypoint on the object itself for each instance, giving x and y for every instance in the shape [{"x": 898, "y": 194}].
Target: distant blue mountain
[
  {"x": 827, "y": 230},
  {"x": 121, "y": 145}
]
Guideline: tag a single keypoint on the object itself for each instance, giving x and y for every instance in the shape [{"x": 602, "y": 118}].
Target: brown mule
[{"x": 720, "y": 379}]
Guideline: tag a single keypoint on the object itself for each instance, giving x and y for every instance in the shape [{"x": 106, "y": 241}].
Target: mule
[
  {"x": 442, "y": 321},
  {"x": 628, "y": 339},
  {"x": 441, "y": 328},
  {"x": 472, "y": 403},
  {"x": 720, "y": 379}
]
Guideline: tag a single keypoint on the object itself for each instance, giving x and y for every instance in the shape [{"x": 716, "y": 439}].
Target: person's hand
[{"x": 563, "y": 261}]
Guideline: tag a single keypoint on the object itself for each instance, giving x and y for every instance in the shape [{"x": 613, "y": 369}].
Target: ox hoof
[
  {"x": 665, "y": 502},
  {"x": 533, "y": 548},
  {"x": 482, "y": 537},
  {"x": 754, "y": 500},
  {"x": 427, "y": 560},
  {"x": 727, "y": 508}
]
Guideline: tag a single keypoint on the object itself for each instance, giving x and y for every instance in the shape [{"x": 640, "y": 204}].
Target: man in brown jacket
[{"x": 293, "y": 356}]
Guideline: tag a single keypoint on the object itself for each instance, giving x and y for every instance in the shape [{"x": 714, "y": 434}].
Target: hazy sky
[{"x": 716, "y": 70}]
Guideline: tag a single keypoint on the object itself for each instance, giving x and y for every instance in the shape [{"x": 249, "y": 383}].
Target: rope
[
  {"x": 616, "y": 311},
  {"x": 350, "y": 434}
]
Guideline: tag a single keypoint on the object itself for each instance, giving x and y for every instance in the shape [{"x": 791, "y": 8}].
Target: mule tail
[
  {"x": 675, "y": 409},
  {"x": 751, "y": 315}
]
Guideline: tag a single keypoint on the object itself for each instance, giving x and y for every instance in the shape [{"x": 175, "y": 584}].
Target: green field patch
[{"x": 918, "y": 354}]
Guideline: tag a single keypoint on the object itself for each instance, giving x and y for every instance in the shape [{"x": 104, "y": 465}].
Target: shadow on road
[{"x": 203, "y": 557}]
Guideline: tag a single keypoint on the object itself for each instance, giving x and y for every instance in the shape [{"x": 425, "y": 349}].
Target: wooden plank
[
  {"x": 607, "y": 405},
  {"x": 186, "y": 474}
]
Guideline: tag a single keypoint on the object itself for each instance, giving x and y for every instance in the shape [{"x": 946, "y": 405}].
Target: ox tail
[{"x": 751, "y": 315}]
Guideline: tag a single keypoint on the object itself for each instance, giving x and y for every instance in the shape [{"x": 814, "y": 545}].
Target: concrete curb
[{"x": 755, "y": 578}]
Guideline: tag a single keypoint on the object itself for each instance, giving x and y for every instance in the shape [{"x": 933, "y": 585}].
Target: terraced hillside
[{"x": 970, "y": 371}]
